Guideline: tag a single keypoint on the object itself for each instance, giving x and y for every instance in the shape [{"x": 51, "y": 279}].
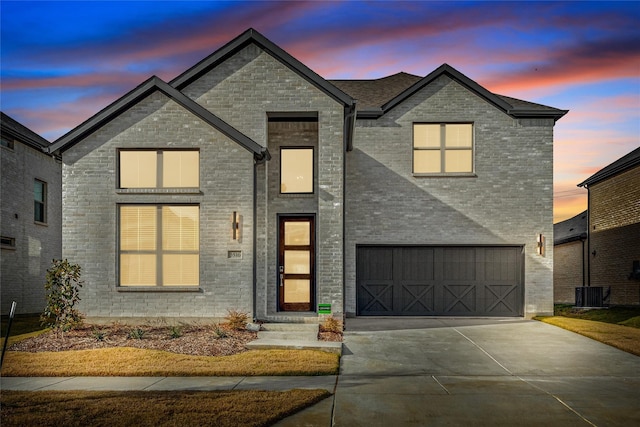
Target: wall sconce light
[
  {"x": 540, "y": 244},
  {"x": 235, "y": 226}
]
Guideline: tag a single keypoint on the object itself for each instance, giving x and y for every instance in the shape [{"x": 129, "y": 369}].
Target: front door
[{"x": 296, "y": 263}]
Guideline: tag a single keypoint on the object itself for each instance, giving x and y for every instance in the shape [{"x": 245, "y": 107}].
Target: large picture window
[
  {"x": 39, "y": 201},
  {"x": 159, "y": 245},
  {"x": 443, "y": 148},
  {"x": 159, "y": 168},
  {"x": 296, "y": 170}
]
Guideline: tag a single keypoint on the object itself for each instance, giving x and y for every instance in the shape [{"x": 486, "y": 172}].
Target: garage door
[{"x": 439, "y": 280}]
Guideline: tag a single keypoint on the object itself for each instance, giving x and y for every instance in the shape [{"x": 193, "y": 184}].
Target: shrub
[
  {"x": 136, "y": 334},
  {"x": 175, "y": 332},
  {"x": 98, "y": 334},
  {"x": 237, "y": 320},
  {"x": 331, "y": 324},
  {"x": 220, "y": 331},
  {"x": 62, "y": 287}
]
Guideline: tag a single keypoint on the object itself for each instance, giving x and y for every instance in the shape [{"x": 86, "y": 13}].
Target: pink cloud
[{"x": 91, "y": 80}]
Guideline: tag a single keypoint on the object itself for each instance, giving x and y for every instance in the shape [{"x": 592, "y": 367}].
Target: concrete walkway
[{"x": 454, "y": 372}]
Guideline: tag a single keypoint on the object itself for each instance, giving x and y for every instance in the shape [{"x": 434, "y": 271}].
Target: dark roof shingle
[
  {"x": 571, "y": 229},
  {"x": 622, "y": 164},
  {"x": 20, "y": 132}
]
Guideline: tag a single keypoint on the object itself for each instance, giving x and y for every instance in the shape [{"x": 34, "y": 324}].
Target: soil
[{"x": 195, "y": 340}]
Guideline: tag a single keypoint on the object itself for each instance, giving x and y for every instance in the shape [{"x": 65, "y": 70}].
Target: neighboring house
[
  {"x": 614, "y": 229},
  {"x": 570, "y": 256},
  {"x": 249, "y": 182},
  {"x": 31, "y": 225}
]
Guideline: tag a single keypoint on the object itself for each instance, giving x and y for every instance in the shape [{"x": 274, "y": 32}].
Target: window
[
  {"x": 159, "y": 169},
  {"x": 443, "y": 148},
  {"x": 40, "y": 201},
  {"x": 7, "y": 242},
  {"x": 6, "y": 143},
  {"x": 296, "y": 170},
  {"x": 159, "y": 245}
]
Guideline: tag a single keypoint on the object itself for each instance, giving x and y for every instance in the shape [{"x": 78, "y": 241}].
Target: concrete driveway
[{"x": 477, "y": 372}]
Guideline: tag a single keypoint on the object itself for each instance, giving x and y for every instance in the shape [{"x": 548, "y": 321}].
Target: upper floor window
[
  {"x": 159, "y": 169},
  {"x": 39, "y": 201},
  {"x": 6, "y": 143},
  {"x": 442, "y": 148},
  {"x": 7, "y": 242},
  {"x": 296, "y": 170}
]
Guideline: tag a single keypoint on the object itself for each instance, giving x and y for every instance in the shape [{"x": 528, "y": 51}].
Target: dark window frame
[
  {"x": 9, "y": 144},
  {"x": 158, "y": 252},
  {"x": 313, "y": 168},
  {"x": 7, "y": 242},
  {"x": 159, "y": 168},
  {"x": 442, "y": 149},
  {"x": 40, "y": 206}
]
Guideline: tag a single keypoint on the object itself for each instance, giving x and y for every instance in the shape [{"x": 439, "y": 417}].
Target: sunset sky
[{"x": 62, "y": 62}]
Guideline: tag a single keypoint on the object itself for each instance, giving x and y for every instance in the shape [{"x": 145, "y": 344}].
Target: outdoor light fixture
[
  {"x": 540, "y": 245},
  {"x": 235, "y": 226}
]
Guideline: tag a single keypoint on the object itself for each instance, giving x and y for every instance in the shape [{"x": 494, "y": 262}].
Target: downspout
[
  {"x": 255, "y": 241},
  {"x": 258, "y": 160},
  {"x": 588, "y": 236},
  {"x": 350, "y": 126}
]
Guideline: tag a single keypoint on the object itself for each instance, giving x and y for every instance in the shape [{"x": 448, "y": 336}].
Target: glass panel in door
[{"x": 296, "y": 264}]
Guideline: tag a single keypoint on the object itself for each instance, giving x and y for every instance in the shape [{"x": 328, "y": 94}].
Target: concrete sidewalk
[
  {"x": 418, "y": 372},
  {"x": 327, "y": 382}
]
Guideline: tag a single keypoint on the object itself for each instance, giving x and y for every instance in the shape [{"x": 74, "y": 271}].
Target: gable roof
[
  {"x": 377, "y": 97},
  {"x": 17, "y": 131},
  {"x": 571, "y": 229},
  {"x": 150, "y": 86},
  {"x": 622, "y": 164},
  {"x": 252, "y": 36}
]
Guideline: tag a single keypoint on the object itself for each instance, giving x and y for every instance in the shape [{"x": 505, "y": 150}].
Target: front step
[
  {"x": 268, "y": 344},
  {"x": 293, "y": 336},
  {"x": 289, "y": 331}
]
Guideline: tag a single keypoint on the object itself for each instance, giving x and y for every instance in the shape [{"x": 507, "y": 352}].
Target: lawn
[
  {"x": 151, "y": 408},
  {"x": 204, "y": 408},
  {"x": 616, "y": 326},
  {"x": 627, "y": 316},
  {"x": 22, "y": 324},
  {"x": 126, "y": 361}
]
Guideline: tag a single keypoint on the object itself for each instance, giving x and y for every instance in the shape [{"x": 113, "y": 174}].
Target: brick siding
[
  {"x": 510, "y": 200},
  {"x": 614, "y": 230},
  {"x": 24, "y": 268},
  {"x": 571, "y": 275}
]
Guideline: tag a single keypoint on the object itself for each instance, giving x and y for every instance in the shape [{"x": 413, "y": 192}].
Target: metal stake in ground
[{"x": 6, "y": 338}]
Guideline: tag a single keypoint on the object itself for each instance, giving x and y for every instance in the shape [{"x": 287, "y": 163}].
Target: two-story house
[
  {"x": 31, "y": 224},
  {"x": 613, "y": 261},
  {"x": 249, "y": 182}
]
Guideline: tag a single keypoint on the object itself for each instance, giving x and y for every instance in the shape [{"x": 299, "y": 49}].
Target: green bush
[
  {"x": 136, "y": 334},
  {"x": 175, "y": 332},
  {"x": 62, "y": 287}
]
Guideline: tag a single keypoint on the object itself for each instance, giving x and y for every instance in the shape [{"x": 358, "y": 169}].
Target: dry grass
[
  {"x": 125, "y": 361},
  {"x": 622, "y": 337},
  {"x": 147, "y": 408}
]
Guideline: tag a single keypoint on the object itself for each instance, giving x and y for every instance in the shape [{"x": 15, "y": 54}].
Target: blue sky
[{"x": 61, "y": 62}]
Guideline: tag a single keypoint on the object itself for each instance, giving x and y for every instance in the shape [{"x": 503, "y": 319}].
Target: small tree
[{"x": 62, "y": 286}]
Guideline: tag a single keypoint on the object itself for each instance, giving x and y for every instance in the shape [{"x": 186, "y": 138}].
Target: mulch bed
[
  {"x": 195, "y": 340},
  {"x": 192, "y": 339}
]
